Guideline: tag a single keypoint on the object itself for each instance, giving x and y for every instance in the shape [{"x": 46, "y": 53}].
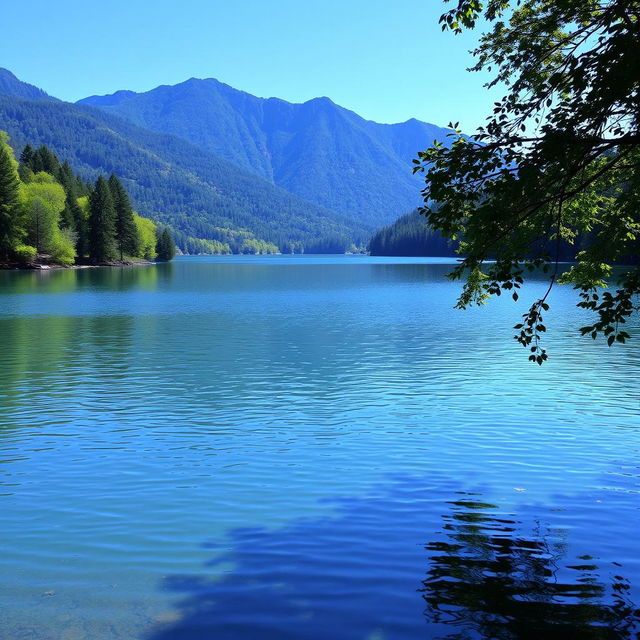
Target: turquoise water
[{"x": 290, "y": 447}]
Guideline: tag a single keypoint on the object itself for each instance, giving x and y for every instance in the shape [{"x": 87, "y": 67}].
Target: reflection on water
[
  {"x": 144, "y": 277},
  {"x": 356, "y": 576},
  {"x": 489, "y": 579}
]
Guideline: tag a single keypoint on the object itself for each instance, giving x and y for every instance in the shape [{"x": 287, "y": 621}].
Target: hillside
[
  {"x": 12, "y": 86},
  {"x": 174, "y": 182},
  {"x": 316, "y": 150}
]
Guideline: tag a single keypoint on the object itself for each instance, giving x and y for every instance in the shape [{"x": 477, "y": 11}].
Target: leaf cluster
[{"x": 555, "y": 172}]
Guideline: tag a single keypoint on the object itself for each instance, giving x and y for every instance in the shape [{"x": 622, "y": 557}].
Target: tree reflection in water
[
  {"x": 490, "y": 580},
  {"x": 359, "y": 574}
]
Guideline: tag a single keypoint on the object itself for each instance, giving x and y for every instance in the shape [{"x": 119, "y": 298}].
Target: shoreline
[{"x": 35, "y": 266}]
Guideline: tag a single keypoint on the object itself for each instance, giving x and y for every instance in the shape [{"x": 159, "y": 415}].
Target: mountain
[
  {"x": 11, "y": 86},
  {"x": 201, "y": 195},
  {"x": 410, "y": 235},
  {"x": 316, "y": 150}
]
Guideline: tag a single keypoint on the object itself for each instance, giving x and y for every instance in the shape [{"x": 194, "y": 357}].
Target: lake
[{"x": 317, "y": 447}]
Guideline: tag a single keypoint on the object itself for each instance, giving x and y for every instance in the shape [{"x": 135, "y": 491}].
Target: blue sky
[{"x": 386, "y": 59}]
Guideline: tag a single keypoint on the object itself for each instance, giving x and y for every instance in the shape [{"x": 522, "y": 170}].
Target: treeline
[
  {"x": 410, "y": 235},
  {"x": 48, "y": 213}
]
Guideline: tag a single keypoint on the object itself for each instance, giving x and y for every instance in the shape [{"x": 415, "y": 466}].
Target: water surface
[{"x": 309, "y": 447}]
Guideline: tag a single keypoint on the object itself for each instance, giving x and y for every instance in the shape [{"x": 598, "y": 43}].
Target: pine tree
[
  {"x": 102, "y": 246},
  {"x": 67, "y": 215},
  {"x": 65, "y": 177},
  {"x": 82, "y": 188},
  {"x": 45, "y": 160},
  {"x": 27, "y": 155},
  {"x": 165, "y": 247},
  {"x": 70, "y": 213},
  {"x": 81, "y": 227},
  {"x": 25, "y": 172},
  {"x": 127, "y": 237},
  {"x": 10, "y": 231}
]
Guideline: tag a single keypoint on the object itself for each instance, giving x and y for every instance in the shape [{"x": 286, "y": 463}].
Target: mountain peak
[
  {"x": 110, "y": 99},
  {"x": 10, "y": 85},
  {"x": 316, "y": 150},
  {"x": 321, "y": 100}
]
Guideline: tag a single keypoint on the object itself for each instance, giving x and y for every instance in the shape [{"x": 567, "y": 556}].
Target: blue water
[{"x": 289, "y": 447}]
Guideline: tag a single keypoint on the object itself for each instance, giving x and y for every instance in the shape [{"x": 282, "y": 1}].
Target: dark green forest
[{"x": 410, "y": 235}]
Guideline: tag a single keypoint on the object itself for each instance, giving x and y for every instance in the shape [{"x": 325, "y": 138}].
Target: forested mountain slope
[
  {"x": 177, "y": 183},
  {"x": 316, "y": 150},
  {"x": 12, "y": 86}
]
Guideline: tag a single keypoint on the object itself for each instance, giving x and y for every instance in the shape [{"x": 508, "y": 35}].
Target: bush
[
  {"x": 24, "y": 253},
  {"x": 63, "y": 251}
]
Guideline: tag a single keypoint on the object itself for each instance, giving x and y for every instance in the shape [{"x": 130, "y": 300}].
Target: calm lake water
[{"x": 293, "y": 448}]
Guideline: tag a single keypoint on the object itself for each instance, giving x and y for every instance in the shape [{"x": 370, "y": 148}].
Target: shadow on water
[
  {"x": 360, "y": 574},
  {"x": 489, "y": 580}
]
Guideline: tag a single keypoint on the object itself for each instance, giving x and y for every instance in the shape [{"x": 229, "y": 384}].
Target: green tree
[
  {"x": 27, "y": 154},
  {"x": 557, "y": 164},
  {"x": 24, "y": 169},
  {"x": 102, "y": 245},
  {"x": 68, "y": 216},
  {"x": 165, "y": 248},
  {"x": 43, "y": 159},
  {"x": 81, "y": 224},
  {"x": 10, "y": 229},
  {"x": 148, "y": 237},
  {"x": 127, "y": 236},
  {"x": 82, "y": 188},
  {"x": 44, "y": 200}
]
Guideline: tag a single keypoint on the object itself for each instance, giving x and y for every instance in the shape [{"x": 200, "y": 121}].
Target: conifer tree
[
  {"x": 102, "y": 246},
  {"x": 45, "y": 160},
  {"x": 81, "y": 227},
  {"x": 65, "y": 176},
  {"x": 82, "y": 188},
  {"x": 165, "y": 247},
  {"x": 27, "y": 155},
  {"x": 126, "y": 232},
  {"x": 25, "y": 172},
  {"x": 69, "y": 214},
  {"x": 10, "y": 231}
]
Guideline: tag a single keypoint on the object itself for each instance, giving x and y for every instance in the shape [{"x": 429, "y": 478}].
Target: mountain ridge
[
  {"x": 10, "y": 84},
  {"x": 212, "y": 159},
  {"x": 315, "y": 149},
  {"x": 199, "y": 194}
]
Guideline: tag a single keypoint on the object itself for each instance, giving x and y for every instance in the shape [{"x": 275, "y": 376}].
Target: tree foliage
[
  {"x": 10, "y": 231},
  {"x": 147, "y": 237},
  {"x": 45, "y": 210},
  {"x": 126, "y": 232},
  {"x": 165, "y": 247},
  {"x": 102, "y": 223},
  {"x": 557, "y": 164},
  {"x": 410, "y": 236},
  {"x": 44, "y": 200}
]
